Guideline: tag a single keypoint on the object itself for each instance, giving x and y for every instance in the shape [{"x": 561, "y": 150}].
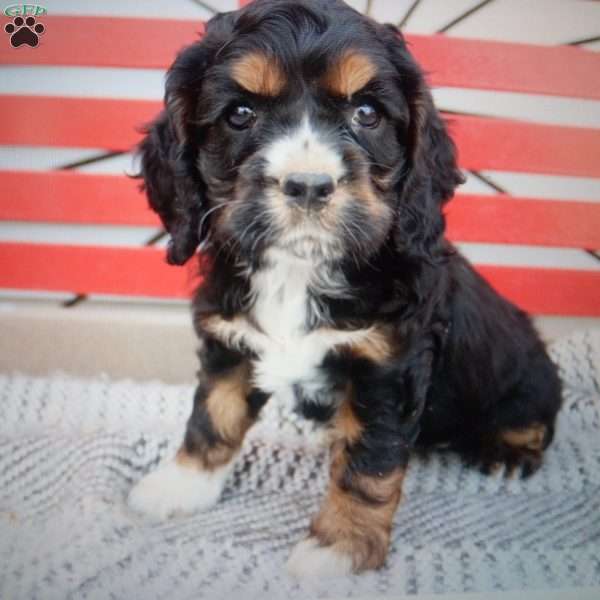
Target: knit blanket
[{"x": 70, "y": 449}]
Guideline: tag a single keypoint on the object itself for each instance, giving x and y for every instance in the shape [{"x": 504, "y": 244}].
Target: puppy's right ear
[
  {"x": 169, "y": 152},
  {"x": 173, "y": 190}
]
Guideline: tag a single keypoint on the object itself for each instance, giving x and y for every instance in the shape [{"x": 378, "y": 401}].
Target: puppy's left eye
[
  {"x": 241, "y": 117},
  {"x": 366, "y": 115}
]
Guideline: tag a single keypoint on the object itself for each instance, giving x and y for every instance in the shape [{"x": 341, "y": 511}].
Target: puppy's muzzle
[{"x": 308, "y": 191}]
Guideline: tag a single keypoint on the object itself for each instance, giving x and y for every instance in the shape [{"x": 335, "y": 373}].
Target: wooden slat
[
  {"x": 92, "y": 269},
  {"x": 496, "y": 144},
  {"x": 507, "y": 145},
  {"x": 143, "y": 272},
  {"x": 123, "y": 42},
  {"x": 106, "y": 42},
  {"x": 507, "y": 220},
  {"x": 82, "y": 122},
  {"x": 487, "y": 65},
  {"x": 547, "y": 291},
  {"x": 69, "y": 197}
]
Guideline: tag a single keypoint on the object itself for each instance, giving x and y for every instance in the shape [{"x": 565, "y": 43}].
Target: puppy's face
[
  {"x": 299, "y": 157},
  {"x": 296, "y": 122}
]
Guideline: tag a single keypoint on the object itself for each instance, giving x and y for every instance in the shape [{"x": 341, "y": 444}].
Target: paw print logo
[{"x": 24, "y": 31}]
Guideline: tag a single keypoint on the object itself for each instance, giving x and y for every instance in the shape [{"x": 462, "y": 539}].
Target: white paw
[
  {"x": 309, "y": 560},
  {"x": 176, "y": 489}
]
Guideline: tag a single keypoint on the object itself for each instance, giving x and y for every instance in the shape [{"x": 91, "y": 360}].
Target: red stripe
[
  {"x": 548, "y": 291},
  {"x": 506, "y": 145},
  {"x": 93, "y": 270},
  {"x": 558, "y": 70},
  {"x": 483, "y": 143},
  {"x": 68, "y": 197},
  {"x": 124, "y": 42},
  {"x": 143, "y": 272},
  {"x": 506, "y": 220},
  {"x": 106, "y": 42},
  {"x": 87, "y": 123}
]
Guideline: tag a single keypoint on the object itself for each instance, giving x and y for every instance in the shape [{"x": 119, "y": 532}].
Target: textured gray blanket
[{"x": 70, "y": 449}]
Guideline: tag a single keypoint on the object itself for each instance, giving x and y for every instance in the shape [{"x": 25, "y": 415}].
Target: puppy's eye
[
  {"x": 366, "y": 115},
  {"x": 241, "y": 117}
]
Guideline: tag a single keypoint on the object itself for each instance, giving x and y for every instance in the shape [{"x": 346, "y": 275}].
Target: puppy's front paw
[
  {"x": 309, "y": 560},
  {"x": 176, "y": 489}
]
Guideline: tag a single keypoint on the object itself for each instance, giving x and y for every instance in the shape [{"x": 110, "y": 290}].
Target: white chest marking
[
  {"x": 291, "y": 354},
  {"x": 280, "y": 310},
  {"x": 281, "y": 297},
  {"x": 287, "y": 352}
]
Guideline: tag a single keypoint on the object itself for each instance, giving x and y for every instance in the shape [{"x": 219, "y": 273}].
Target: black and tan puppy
[{"x": 300, "y": 149}]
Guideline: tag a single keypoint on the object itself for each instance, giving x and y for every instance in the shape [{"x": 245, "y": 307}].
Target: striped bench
[{"x": 67, "y": 197}]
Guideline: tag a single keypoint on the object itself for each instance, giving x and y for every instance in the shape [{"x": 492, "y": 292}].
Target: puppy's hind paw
[{"x": 510, "y": 461}]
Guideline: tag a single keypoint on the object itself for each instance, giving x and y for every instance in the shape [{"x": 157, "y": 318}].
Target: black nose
[{"x": 309, "y": 190}]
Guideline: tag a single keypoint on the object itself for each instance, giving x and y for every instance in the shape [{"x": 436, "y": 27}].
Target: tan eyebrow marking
[
  {"x": 259, "y": 74},
  {"x": 349, "y": 74}
]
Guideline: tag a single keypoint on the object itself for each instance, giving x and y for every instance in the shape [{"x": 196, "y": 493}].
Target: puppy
[{"x": 300, "y": 149}]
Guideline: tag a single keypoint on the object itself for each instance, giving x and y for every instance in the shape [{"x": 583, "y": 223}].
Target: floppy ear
[
  {"x": 431, "y": 173},
  {"x": 173, "y": 189},
  {"x": 170, "y": 149}
]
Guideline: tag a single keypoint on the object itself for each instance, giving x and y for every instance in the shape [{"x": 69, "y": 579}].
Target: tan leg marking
[
  {"x": 194, "y": 480},
  {"x": 228, "y": 410},
  {"x": 356, "y": 517},
  {"x": 346, "y": 428},
  {"x": 531, "y": 438}
]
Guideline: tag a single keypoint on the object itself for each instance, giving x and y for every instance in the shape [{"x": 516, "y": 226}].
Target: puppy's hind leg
[
  {"x": 516, "y": 432},
  {"x": 224, "y": 409}
]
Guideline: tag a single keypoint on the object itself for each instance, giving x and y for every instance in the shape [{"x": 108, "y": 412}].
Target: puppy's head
[{"x": 299, "y": 125}]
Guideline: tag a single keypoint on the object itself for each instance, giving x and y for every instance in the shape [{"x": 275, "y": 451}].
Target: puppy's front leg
[
  {"x": 225, "y": 407},
  {"x": 351, "y": 532},
  {"x": 374, "y": 431}
]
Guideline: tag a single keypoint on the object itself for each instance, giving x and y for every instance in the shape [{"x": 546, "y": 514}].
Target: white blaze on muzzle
[{"x": 303, "y": 150}]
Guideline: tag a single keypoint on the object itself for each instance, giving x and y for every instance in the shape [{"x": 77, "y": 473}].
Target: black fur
[{"x": 469, "y": 364}]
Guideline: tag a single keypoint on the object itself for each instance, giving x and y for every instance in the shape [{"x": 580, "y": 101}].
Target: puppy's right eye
[{"x": 241, "y": 117}]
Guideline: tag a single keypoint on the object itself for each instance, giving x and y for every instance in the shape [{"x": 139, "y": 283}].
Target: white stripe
[
  {"x": 87, "y": 235},
  {"x": 127, "y": 164},
  {"x": 83, "y": 82},
  {"x": 530, "y": 21},
  {"x": 168, "y": 311},
  {"x": 42, "y": 158},
  {"x": 524, "y": 107},
  {"x": 46, "y": 158},
  {"x": 473, "y": 185},
  {"x": 431, "y": 15},
  {"x": 547, "y": 186},
  {"x": 11, "y": 299},
  {"x": 152, "y": 9},
  {"x": 529, "y": 256}
]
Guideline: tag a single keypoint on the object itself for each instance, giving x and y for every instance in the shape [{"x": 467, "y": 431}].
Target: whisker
[{"x": 213, "y": 209}]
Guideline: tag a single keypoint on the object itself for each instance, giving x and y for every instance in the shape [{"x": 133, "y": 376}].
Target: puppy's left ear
[{"x": 432, "y": 173}]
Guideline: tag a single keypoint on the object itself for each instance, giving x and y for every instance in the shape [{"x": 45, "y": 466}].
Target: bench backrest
[{"x": 113, "y": 124}]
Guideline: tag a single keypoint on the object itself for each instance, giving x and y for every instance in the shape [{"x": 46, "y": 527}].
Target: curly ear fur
[
  {"x": 173, "y": 189},
  {"x": 432, "y": 173},
  {"x": 168, "y": 158}
]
